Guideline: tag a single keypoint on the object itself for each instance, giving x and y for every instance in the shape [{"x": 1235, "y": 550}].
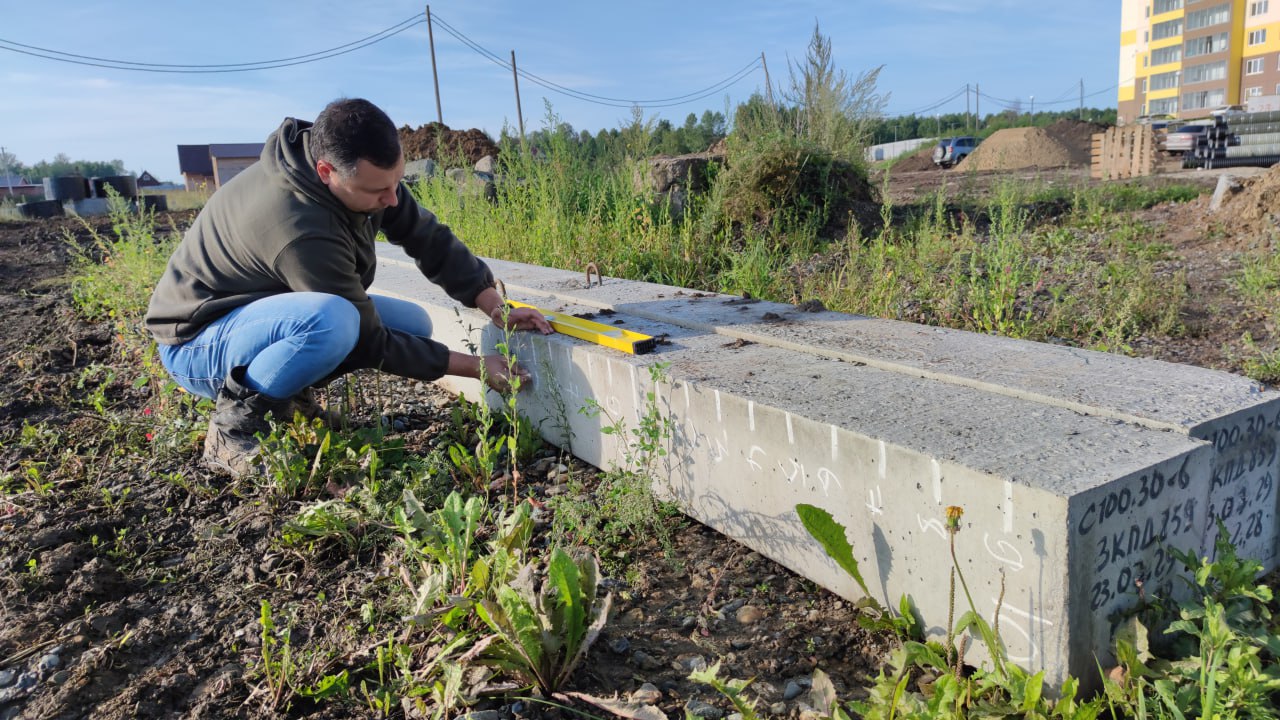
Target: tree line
[{"x": 61, "y": 164}]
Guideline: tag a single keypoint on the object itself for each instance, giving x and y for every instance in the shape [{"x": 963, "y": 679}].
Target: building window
[
  {"x": 1164, "y": 81},
  {"x": 1253, "y": 92},
  {"x": 1171, "y": 28},
  {"x": 1257, "y": 37},
  {"x": 1215, "y": 15},
  {"x": 1166, "y": 55},
  {"x": 1257, "y": 8},
  {"x": 1204, "y": 99},
  {"x": 1253, "y": 66},
  {"x": 1208, "y": 72},
  {"x": 1144, "y": 86},
  {"x": 1206, "y": 45},
  {"x": 1164, "y": 6},
  {"x": 1167, "y": 106}
]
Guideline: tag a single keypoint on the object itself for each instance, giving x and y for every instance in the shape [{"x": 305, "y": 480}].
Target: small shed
[
  {"x": 146, "y": 179},
  {"x": 209, "y": 166}
]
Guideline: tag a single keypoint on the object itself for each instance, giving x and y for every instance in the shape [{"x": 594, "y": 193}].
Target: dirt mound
[
  {"x": 1018, "y": 148},
  {"x": 1255, "y": 209},
  {"x": 1076, "y": 134},
  {"x": 917, "y": 161},
  {"x": 435, "y": 140}
]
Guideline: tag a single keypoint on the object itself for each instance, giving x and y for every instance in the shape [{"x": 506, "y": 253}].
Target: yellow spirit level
[{"x": 600, "y": 334}]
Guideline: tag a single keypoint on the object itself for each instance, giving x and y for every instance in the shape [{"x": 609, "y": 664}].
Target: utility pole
[
  {"x": 516, "y": 77},
  {"x": 435, "y": 78},
  {"x": 1081, "y": 99},
  {"x": 768, "y": 86},
  {"x": 977, "y": 106},
  {"x": 968, "y": 125}
]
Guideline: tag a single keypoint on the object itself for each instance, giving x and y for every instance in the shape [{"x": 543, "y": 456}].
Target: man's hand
[
  {"x": 491, "y": 303},
  {"x": 501, "y": 376},
  {"x": 522, "y": 319},
  {"x": 497, "y": 373}
]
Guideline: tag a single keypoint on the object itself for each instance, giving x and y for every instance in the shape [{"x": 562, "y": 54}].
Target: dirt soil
[
  {"x": 1062, "y": 144},
  {"x": 438, "y": 142},
  {"x": 146, "y": 604}
]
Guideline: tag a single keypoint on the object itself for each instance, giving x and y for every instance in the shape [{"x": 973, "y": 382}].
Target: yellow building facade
[{"x": 1186, "y": 57}]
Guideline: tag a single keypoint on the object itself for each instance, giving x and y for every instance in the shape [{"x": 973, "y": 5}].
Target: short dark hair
[{"x": 350, "y": 129}]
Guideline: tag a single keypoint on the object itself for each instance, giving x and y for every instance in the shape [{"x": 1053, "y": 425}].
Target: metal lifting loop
[
  {"x": 599, "y": 278},
  {"x": 501, "y": 287}
]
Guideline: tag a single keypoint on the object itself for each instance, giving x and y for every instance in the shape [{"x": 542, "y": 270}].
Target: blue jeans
[{"x": 288, "y": 342}]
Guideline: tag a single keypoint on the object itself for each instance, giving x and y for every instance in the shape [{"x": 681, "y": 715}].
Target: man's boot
[
  {"x": 239, "y": 415},
  {"x": 305, "y": 403}
]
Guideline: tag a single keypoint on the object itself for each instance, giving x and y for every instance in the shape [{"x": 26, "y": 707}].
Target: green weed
[
  {"x": 1261, "y": 364},
  {"x": 546, "y": 628},
  {"x": 622, "y": 507}
]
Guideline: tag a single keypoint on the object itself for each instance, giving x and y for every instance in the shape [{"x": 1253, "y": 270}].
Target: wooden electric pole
[
  {"x": 968, "y": 120},
  {"x": 768, "y": 86},
  {"x": 435, "y": 77},
  {"x": 516, "y": 77}
]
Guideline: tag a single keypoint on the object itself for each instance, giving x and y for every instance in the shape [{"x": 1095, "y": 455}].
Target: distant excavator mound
[
  {"x": 1021, "y": 148},
  {"x": 437, "y": 142}
]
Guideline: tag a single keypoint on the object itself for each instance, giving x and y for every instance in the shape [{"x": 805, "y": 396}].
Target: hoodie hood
[{"x": 287, "y": 156}]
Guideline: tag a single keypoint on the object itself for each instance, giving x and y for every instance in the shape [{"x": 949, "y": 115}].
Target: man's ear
[{"x": 325, "y": 170}]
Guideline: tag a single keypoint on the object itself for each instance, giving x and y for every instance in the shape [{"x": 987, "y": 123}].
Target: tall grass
[{"x": 1084, "y": 275}]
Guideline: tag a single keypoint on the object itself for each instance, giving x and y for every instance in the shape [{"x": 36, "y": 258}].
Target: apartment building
[{"x": 1187, "y": 57}]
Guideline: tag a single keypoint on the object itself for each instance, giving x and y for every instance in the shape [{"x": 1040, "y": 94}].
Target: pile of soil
[
  {"x": 917, "y": 161},
  {"x": 437, "y": 142},
  {"x": 1253, "y": 210},
  {"x": 1019, "y": 148},
  {"x": 1076, "y": 134}
]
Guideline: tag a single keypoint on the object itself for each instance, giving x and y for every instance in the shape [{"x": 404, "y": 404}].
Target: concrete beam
[{"x": 1077, "y": 470}]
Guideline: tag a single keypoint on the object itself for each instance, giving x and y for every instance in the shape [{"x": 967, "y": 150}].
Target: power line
[
  {"x": 599, "y": 99},
  {"x": 938, "y": 103},
  {"x": 91, "y": 61}
]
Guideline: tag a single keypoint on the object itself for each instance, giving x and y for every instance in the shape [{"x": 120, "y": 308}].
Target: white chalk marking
[
  {"x": 1008, "y": 506},
  {"x": 884, "y": 460},
  {"x": 835, "y": 444},
  {"x": 751, "y": 415},
  {"x": 751, "y": 456},
  {"x": 937, "y": 481},
  {"x": 1033, "y": 648},
  {"x": 608, "y": 366},
  {"x": 932, "y": 524},
  {"x": 635, "y": 394},
  {"x": 1008, "y": 554},
  {"x": 791, "y": 436},
  {"x": 686, "y": 396},
  {"x": 719, "y": 418},
  {"x": 825, "y": 476},
  {"x": 875, "y": 501}
]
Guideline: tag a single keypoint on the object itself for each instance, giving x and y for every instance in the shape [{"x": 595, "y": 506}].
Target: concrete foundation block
[{"x": 1078, "y": 471}]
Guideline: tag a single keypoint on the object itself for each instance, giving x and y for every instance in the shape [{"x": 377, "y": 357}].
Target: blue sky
[{"x": 1013, "y": 49}]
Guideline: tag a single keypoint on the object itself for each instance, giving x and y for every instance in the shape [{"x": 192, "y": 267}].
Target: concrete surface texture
[{"x": 1077, "y": 471}]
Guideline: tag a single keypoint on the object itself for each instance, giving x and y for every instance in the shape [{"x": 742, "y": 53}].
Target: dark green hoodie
[{"x": 275, "y": 228}]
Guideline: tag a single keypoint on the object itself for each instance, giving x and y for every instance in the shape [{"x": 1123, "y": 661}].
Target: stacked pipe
[{"x": 1249, "y": 139}]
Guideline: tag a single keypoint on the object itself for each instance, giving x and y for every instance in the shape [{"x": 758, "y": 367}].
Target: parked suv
[{"x": 950, "y": 151}]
